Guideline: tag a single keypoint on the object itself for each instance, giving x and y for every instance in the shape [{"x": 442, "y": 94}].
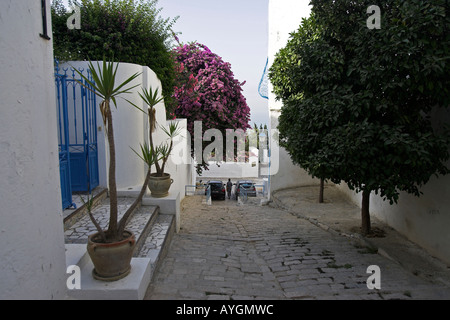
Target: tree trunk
[
  {"x": 152, "y": 127},
  {"x": 126, "y": 216},
  {"x": 112, "y": 229},
  {"x": 365, "y": 214},
  {"x": 321, "y": 191}
]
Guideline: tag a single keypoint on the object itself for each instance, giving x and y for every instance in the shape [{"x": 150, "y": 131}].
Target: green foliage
[
  {"x": 105, "y": 86},
  {"x": 358, "y": 103},
  {"x": 147, "y": 155},
  {"x": 130, "y": 31},
  {"x": 162, "y": 152}
]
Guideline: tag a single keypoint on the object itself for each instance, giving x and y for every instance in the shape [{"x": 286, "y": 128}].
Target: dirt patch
[{"x": 375, "y": 232}]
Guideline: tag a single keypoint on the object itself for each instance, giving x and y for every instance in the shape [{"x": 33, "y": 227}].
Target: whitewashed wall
[
  {"x": 32, "y": 256},
  {"x": 232, "y": 169},
  {"x": 284, "y": 17},
  {"x": 424, "y": 220},
  {"x": 180, "y": 164},
  {"x": 131, "y": 130}
]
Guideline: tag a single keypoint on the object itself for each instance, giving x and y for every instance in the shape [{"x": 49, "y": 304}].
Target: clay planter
[
  {"x": 159, "y": 186},
  {"x": 112, "y": 261}
]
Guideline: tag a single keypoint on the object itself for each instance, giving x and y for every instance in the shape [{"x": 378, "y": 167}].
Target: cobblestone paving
[
  {"x": 80, "y": 231},
  {"x": 231, "y": 251}
]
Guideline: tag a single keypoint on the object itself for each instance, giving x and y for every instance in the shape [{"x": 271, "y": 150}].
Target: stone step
[
  {"x": 153, "y": 232},
  {"x": 158, "y": 240},
  {"x": 72, "y": 215},
  {"x": 140, "y": 222}
]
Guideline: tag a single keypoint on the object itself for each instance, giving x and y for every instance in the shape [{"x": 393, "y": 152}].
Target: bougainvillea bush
[{"x": 207, "y": 91}]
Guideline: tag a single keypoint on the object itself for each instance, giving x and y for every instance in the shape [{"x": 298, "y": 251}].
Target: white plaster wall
[
  {"x": 32, "y": 254},
  {"x": 129, "y": 126},
  {"x": 232, "y": 169},
  {"x": 284, "y": 17},
  {"x": 424, "y": 220},
  {"x": 180, "y": 164},
  {"x": 131, "y": 130}
]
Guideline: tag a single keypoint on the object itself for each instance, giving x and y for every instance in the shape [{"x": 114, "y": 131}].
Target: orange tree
[{"x": 358, "y": 102}]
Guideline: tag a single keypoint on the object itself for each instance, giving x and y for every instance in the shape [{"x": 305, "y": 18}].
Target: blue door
[
  {"x": 82, "y": 135},
  {"x": 77, "y": 134},
  {"x": 63, "y": 141}
]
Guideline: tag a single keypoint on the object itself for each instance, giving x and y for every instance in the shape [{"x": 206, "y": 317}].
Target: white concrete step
[{"x": 143, "y": 266}]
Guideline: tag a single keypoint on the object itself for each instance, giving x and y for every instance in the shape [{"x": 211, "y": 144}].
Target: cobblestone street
[{"x": 248, "y": 251}]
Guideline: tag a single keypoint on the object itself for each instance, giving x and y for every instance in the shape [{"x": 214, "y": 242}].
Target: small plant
[{"x": 163, "y": 151}]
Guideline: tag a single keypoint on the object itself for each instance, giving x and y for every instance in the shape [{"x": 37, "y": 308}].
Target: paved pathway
[{"x": 231, "y": 251}]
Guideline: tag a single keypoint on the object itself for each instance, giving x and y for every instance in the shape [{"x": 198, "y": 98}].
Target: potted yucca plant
[
  {"x": 160, "y": 181},
  {"x": 111, "y": 250}
]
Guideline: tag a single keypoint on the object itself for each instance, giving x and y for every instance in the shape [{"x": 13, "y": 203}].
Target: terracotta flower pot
[
  {"x": 112, "y": 261},
  {"x": 159, "y": 186}
]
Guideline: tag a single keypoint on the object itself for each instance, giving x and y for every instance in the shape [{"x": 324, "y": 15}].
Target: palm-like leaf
[
  {"x": 164, "y": 150},
  {"x": 104, "y": 81},
  {"x": 103, "y": 84},
  {"x": 150, "y": 97},
  {"x": 147, "y": 155},
  {"x": 173, "y": 130}
]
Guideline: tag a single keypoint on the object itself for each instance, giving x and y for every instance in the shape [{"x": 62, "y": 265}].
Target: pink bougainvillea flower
[{"x": 207, "y": 91}]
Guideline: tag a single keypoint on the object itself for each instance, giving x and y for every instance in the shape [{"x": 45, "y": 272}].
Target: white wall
[
  {"x": 131, "y": 130},
  {"x": 284, "y": 17},
  {"x": 32, "y": 256},
  {"x": 129, "y": 126},
  {"x": 424, "y": 220},
  {"x": 180, "y": 165},
  {"x": 232, "y": 169}
]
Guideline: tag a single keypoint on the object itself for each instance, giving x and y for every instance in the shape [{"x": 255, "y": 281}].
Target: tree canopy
[
  {"x": 130, "y": 31},
  {"x": 358, "y": 102}
]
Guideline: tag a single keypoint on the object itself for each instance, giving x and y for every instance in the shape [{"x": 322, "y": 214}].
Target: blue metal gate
[{"x": 77, "y": 135}]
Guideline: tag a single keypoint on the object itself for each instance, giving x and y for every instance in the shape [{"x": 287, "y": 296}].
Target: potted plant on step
[
  {"x": 111, "y": 250},
  {"x": 160, "y": 181}
]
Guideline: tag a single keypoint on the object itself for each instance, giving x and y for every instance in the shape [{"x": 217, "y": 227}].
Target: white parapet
[
  {"x": 167, "y": 205},
  {"x": 132, "y": 287}
]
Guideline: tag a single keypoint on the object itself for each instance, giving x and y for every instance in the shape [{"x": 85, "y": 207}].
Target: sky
[{"x": 236, "y": 30}]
